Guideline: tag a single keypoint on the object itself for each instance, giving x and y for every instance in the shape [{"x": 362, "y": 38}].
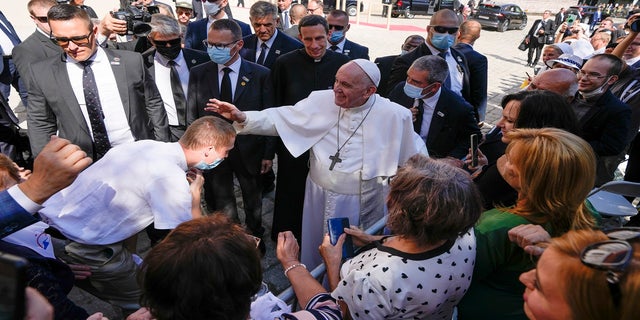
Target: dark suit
[
  {"x": 354, "y": 50},
  {"x": 537, "y": 40},
  {"x": 403, "y": 62},
  {"x": 53, "y": 106},
  {"x": 384, "y": 65},
  {"x": 197, "y": 31},
  {"x": 281, "y": 44},
  {"x": 36, "y": 47},
  {"x": 253, "y": 92},
  {"x": 192, "y": 58},
  {"x": 9, "y": 75},
  {"x": 452, "y": 123},
  {"x": 559, "y": 19},
  {"x": 478, "y": 77}
]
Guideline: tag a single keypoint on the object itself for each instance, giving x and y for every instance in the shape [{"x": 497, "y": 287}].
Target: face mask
[
  {"x": 442, "y": 41},
  {"x": 403, "y": 52},
  {"x": 169, "y": 52},
  {"x": 204, "y": 166},
  {"x": 219, "y": 56},
  {"x": 597, "y": 92},
  {"x": 415, "y": 92},
  {"x": 212, "y": 9},
  {"x": 336, "y": 36}
]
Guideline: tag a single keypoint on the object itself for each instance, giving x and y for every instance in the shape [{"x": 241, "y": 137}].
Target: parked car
[
  {"x": 500, "y": 16},
  {"x": 351, "y": 7},
  {"x": 409, "y": 8},
  {"x": 584, "y": 13}
]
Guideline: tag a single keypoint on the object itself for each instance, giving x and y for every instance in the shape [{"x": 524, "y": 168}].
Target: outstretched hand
[{"x": 226, "y": 110}]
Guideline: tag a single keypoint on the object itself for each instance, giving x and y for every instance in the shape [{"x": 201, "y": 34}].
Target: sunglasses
[
  {"x": 78, "y": 41},
  {"x": 172, "y": 42},
  {"x": 612, "y": 256},
  {"x": 336, "y": 27},
  {"x": 41, "y": 19},
  {"x": 440, "y": 29}
]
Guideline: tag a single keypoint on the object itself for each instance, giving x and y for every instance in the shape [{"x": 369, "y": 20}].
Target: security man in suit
[
  {"x": 338, "y": 21},
  {"x": 95, "y": 97},
  {"x": 478, "y": 65},
  {"x": 442, "y": 118},
  {"x": 229, "y": 77},
  {"x": 169, "y": 64},
  {"x": 38, "y": 45},
  {"x": 537, "y": 37},
  {"x": 9, "y": 75},
  {"x": 197, "y": 30},
  {"x": 267, "y": 43}
]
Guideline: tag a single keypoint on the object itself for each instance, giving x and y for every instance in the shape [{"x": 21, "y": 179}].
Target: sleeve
[
  {"x": 321, "y": 307},
  {"x": 154, "y": 105},
  {"x": 170, "y": 201},
  {"x": 366, "y": 296},
  {"x": 258, "y": 123},
  {"x": 13, "y": 215},
  {"x": 41, "y": 120},
  {"x": 493, "y": 248}
]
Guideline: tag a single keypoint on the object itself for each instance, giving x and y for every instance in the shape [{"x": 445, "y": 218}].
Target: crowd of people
[{"x": 142, "y": 128}]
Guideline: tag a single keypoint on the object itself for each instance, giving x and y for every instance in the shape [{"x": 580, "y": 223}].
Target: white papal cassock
[{"x": 356, "y": 187}]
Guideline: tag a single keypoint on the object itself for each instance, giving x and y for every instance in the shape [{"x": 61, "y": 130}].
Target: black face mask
[{"x": 171, "y": 52}]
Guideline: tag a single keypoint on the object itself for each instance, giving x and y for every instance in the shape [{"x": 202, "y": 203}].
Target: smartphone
[
  {"x": 12, "y": 286},
  {"x": 336, "y": 228},
  {"x": 571, "y": 18},
  {"x": 475, "y": 139}
]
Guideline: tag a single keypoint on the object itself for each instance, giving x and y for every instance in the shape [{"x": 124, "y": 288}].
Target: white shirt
[
  {"x": 233, "y": 75},
  {"x": 340, "y": 45},
  {"x": 269, "y": 44},
  {"x": 632, "y": 60},
  {"x": 133, "y": 185},
  {"x": 429, "y": 105},
  {"x": 456, "y": 74},
  {"x": 162, "y": 77},
  {"x": 115, "y": 119}
]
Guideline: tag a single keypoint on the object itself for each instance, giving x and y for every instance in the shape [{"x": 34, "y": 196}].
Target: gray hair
[
  {"x": 437, "y": 67},
  {"x": 263, "y": 9},
  {"x": 164, "y": 25}
]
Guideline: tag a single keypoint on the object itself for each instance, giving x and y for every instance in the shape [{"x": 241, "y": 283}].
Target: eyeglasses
[
  {"x": 185, "y": 12},
  {"x": 78, "y": 41},
  {"x": 441, "y": 29},
  {"x": 612, "y": 256},
  {"x": 172, "y": 42},
  {"x": 309, "y": 10},
  {"x": 590, "y": 76},
  {"x": 218, "y": 46},
  {"x": 41, "y": 19},
  {"x": 336, "y": 27}
]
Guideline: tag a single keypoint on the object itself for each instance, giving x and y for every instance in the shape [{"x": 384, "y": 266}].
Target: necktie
[
  {"x": 285, "y": 16},
  {"x": 418, "y": 123},
  {"x": 225, "y": 87},
  {"x": 178, "y": 94},
  {"x": 447, "y": 81},
  {"x": 96, "y": 117},
  {"x": 334, "y": 48},
  {"x": 263, "y": 54}
]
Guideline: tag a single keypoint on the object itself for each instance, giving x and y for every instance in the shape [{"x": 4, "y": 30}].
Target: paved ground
[{"x": 506, "y": 73}]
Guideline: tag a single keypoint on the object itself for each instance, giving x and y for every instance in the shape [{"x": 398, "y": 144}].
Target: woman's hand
[
  {"x": 359, "y": 237},
  {"x": 527, "y": 236},
  {"x": 287, "y": 249}
]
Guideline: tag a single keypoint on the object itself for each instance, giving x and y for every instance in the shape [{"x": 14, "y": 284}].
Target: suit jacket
[
  {"x": 253, "y": 92},
  {"x": 402, "y": 64},
  {"x": 354, "y": 50},
  {"x": 559, "y": 19},
  {"x": 384, "y": 64},
  {"x": 452, "y": 123},
  {"x": 53, "y": 106},
  {"x": 293, "y": 32},
  {"x": 12, "y": 215},
  {"x": 549, "y": 29},
  {"x": 606, "y": 127},
  {"x": 197, "y": 31},
  {"x": 281, "y": 44},
  {"x": 36, "y": 47},
  {"x": 192, "y": 57},
  {"x": 478, "y": 75}
]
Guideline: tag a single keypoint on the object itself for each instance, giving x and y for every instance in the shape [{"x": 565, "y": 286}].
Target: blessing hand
[{"x": 226, "y": 110}]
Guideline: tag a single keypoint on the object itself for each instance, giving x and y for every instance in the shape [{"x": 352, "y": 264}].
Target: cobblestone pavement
[{"x": 506, "y": 72}]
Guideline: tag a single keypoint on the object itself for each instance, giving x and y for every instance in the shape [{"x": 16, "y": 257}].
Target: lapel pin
[
  {"x": 243, "y": 83},
  {"x": 440, "y": 114},
  {"x": 245, "y": 79},
  {"x": 277, "y": 51},
  {"x": 115, "y": 61},
  {"x": 193, "y": 61}
]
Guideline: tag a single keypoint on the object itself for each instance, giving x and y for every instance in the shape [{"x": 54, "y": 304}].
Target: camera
[
  {"x": 137, "y": 19},
  {"x": 635, "y": 26}
]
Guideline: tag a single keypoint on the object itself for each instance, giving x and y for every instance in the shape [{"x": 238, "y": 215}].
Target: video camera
[{"x": 137, "y": 17}]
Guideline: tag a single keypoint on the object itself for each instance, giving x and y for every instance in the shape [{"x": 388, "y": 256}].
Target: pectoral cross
[{"x": 334, "y": 158}]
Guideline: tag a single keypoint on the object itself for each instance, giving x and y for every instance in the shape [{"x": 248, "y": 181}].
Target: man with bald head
[
  {"x": 561, "y": 81},
  {"x": 356, "y": 140},
  {"x": 296, "y": 13},
  {"x": 441, "y": 35},
  {"x": 478, "y": 66}
]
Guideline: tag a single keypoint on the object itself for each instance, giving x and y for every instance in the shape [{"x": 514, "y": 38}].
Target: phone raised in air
[
  {"x": 475, "y": 140},
  {"x": 12, "y": 286},
  {"x": 336, "y": 228}
]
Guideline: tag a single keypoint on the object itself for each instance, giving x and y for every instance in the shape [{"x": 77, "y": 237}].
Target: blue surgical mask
[
  {"x": 211, "y": 9},
  {"x": 336, "y": 36},
  {"x": 204, "y": 166},
  {"x": 442, "y": 41},
  {"x": 415, "y": 92},
  {"x": 219, "y": 56}
]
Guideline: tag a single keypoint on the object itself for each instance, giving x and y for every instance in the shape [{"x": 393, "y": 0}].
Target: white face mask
[
  {"x": 596, "y": 92},
  {"x": 212, "y": 9}
]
